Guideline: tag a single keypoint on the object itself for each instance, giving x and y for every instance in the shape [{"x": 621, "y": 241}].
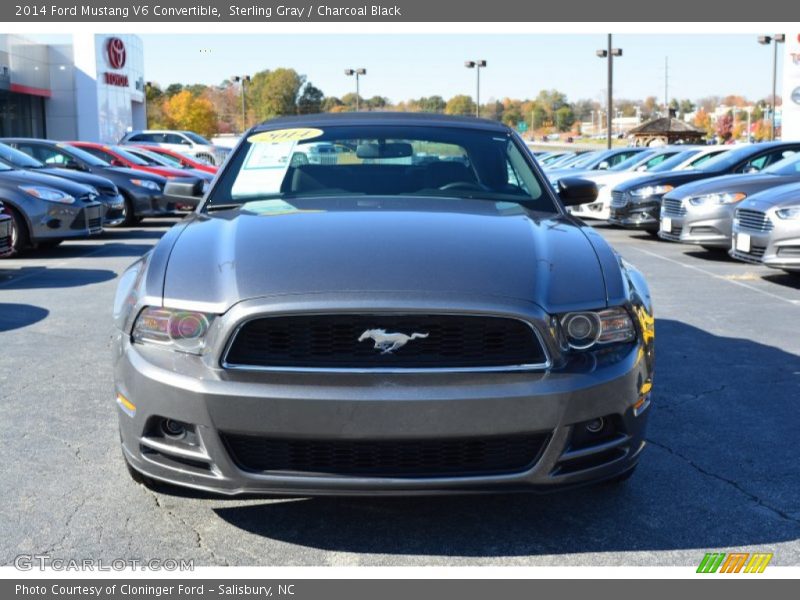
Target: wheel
[
  {"x": 129, "y": 218},
  {"x": 46, "y": 244},
  {"x": 622, "y": 477},
  {"x": 652, "y": 232},
  {"x": 713, "y": 248},
  {"x": 20, "y": 236}
]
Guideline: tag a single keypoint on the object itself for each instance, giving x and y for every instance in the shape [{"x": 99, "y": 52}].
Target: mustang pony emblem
[{"x": 389, "y": 342}]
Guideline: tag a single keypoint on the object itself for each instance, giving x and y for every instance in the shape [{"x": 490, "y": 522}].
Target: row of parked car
[
  {"x": 51, "y": 191},
  {"x": 744, "y": 199}
]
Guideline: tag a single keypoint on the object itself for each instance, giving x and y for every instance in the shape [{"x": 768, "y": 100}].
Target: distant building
[
  {"x": 665, "y": 130},
  {"x": 92, "y": 89}
]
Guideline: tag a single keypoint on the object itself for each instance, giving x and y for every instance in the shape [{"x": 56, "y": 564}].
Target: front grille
[
  {"x": 618, "y": 198},
  {"x": 332, "y": 342},
  {"x": 386, "y": 458},
  {"x": 753, "y": 220},
  {"x": 756, "y": 253},
  {"x": 672, "y": 207}
]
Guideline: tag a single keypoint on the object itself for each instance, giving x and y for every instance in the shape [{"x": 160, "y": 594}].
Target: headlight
[
  {"x": 146, "y": 184},
  {"x": 46, "y": 193},
  {"x": 712, "y": 199},
  {"x": 181, "y": 330},
  {"x": 789, "y": 213},
  {"x": 582, "y": 330},
  {"x": 651, "y": 190}
]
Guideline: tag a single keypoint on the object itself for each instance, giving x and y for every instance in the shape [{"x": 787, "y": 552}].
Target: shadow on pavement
[
  {"x": 720, "y": 471},
  {"x": 79, "y": 249},
  {"x": 27, "y": 278},
  {"x": 716, "y": 255},
  {"x": 790, "y": 280},
  {"x": 17, "y": 316}
]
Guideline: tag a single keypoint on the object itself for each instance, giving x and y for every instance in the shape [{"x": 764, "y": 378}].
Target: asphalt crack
[
  {"x": 199, "y": 541},
  {"x": 753, "y": 497}
]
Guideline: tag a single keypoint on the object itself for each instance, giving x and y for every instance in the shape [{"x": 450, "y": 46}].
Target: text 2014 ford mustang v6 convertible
[{"x": 416, "y": 313}]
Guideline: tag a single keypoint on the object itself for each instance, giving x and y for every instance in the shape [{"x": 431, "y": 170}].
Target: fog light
[
  {"x": 595, "y": 426},
  {"x": 173, "y": 429}
]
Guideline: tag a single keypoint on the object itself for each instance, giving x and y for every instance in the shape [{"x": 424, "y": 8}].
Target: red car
[
  {"x": 117, "y": 156},
  {"x": 179, "y": 159}
]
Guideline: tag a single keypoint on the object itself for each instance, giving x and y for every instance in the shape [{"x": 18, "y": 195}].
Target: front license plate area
[
  {"x": 666, "y": 225},
  {"x": 743, "y": 242}
]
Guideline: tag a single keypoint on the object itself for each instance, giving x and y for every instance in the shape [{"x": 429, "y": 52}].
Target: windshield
[
  {"x": 633, "y": 161},
  {"x": 788, "y": 166},
  {"x": 149, "y": 158},
  {"x": 131, "y": 158},
  {"x": 391, "y": 160},
  {"x": 18, "y": 159},
  {"x": 81, "y": 154},
  {"x": 590, "y": 158},
  {"x": 727, "y": 160},
  {"x": 197, "y": 139},
  {"x": 674, "y": 161},
  {"x": 165, "y": 159}
]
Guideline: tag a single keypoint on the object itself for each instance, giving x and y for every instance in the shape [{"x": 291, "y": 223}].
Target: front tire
[
  {"x": 129, "y": 218},
  {"x": 20, "y": 236}
]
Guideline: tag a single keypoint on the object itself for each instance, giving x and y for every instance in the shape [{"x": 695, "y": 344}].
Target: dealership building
[{"x": 91, "y": 89}]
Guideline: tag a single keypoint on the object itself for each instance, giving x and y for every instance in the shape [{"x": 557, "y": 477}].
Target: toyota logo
[{"x": 116, "y": 53}]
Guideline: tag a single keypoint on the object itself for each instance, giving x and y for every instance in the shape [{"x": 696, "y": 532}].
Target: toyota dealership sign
[{"x": 116, "y": 56}]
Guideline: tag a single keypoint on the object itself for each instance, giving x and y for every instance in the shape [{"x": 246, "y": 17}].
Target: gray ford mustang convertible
[{"x": 416, "y": 313}]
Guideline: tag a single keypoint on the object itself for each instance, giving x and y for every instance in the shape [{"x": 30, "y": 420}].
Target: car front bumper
[
  {"x": 704, "y": 227},
  {"x": 634, "y": 214},
  {"x": 778, "y": 248},
  {"x": 114, "y": 209},
  {"x": 64, "y": 221},
  {"x": 153, "y": 384}
]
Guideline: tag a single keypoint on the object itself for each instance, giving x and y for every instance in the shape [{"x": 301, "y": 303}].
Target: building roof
[
  {"x": 665, "y": 125},
  {"x": 382, "y": 118}
]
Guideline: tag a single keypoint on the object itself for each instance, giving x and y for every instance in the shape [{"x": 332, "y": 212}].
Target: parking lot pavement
[{"x": 720, "y": 471}]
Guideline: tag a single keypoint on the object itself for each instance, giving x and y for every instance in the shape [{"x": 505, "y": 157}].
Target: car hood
[
  {"x": 674, "y": 178},
  {"x": 19, "y": 177},
  {"x": 746, "y": 184},
  {"x": 223, "y": 258},
  {"x": 784, "y": 195},
  {"x": 134, "y": 173},
  {"x": 76, "y": 176}
]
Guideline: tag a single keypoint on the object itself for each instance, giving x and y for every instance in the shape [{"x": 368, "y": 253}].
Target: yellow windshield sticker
[{"x": 278, "y": 136}]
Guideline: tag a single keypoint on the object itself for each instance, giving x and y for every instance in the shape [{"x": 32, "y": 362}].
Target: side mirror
[
  {"x": 190, "y": 189},
  {"x": 115, "y": 162},
  {"x": 641, "y": 168},
  {"x": 603, "y": 166},
  {"x": 73, "y": 164},
  {"x": 574, "y": 191},
  {"x": 750, "y": 169}
]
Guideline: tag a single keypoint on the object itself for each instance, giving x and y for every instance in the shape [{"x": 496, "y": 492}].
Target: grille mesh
[
  {"x": 673, "y": 207},
  {"x": 753, "y": 220},
  {"x": 332, "y": 342},
  {"x": 618, "y": 198},
  {"x": 386, "y": 458}
]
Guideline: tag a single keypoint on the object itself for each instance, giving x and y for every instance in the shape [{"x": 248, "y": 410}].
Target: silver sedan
[{"x": 766, "y": 229}]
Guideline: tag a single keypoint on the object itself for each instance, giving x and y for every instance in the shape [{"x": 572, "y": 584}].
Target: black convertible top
[{"x": 382, "y": 118}]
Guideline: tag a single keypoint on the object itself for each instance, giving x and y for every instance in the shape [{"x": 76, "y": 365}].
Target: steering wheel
[{"x": 462, "y": 185}]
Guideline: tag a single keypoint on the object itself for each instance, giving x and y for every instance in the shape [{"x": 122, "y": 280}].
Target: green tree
[
  {"x": 274, "y": 93},
  {"x": 173, "y": 88},
  {"x": 310, "y": 100},
  {"x": 330, "y": 103},
  {"x": 460, "y": 105}
]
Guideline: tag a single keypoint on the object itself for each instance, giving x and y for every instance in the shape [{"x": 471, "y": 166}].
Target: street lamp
[
  {"x": 766, "y": 40},
  {"x": 610, "y": 53},
  {"x": 357, "y": 73},
  {"x": 242, "y": 79},
  {"x": 477, "y": 65}
]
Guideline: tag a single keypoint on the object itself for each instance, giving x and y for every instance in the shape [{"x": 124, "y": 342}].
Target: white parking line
[{"x": 715, "y": 276}]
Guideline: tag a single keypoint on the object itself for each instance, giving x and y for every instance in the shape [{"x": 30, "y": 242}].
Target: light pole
[
  {"x": 766, "y": 40},
  {"x": 358, "y": 73},
  {"x": 242, "y": 79},
  {"x": 477, "y": 65},
  {"x": 610, "y": 53}
]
